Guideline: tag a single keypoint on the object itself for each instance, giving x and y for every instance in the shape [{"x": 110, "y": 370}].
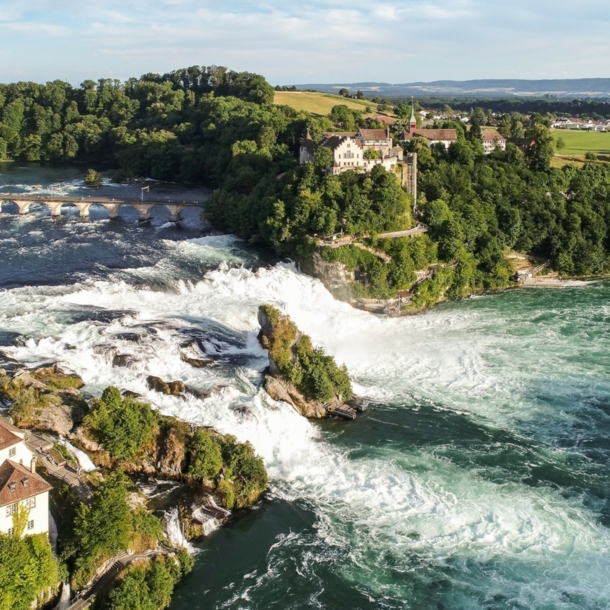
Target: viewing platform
[{"x": 113, "y": 205}]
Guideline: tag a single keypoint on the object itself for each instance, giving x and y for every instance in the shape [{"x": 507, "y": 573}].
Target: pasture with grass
[
  {"x": 319, "y": 103},
  {"x": 581, "y": 142}
]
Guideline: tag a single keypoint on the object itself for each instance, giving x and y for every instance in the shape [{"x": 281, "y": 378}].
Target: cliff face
[{"x": 298, "y": 373}]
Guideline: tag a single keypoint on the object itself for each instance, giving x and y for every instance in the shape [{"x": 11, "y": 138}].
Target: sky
[{"x": 296, "y": 42}]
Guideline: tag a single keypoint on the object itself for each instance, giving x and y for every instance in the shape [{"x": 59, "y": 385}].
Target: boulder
[
  {"x": 158, "y": 385},
  {"x": 280, "y": 390},
  {"x": 176, "y": 387},
  {"x": 56, "y": 419},
  {"x": 84, "y": 441}
]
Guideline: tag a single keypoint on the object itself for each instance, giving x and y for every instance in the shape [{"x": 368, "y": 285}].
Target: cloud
[{"x": 315, "y": 41}]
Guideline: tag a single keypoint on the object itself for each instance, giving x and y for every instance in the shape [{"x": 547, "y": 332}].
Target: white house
[
  {"x": 493, "y": 139},
  {"x": 19, "y": 483}
]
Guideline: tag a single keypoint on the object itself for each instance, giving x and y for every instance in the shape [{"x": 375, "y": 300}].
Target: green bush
[
  {"x": 244, "y": 469},
  {"x": 107, "y": 526},
  {"x": 150, "y": 587},
  {"x": 27, "y": 570},
  {"x": 206, "y": 459},
  {"x": 123, "y": 425}
]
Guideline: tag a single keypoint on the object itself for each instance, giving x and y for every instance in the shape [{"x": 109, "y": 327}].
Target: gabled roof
[
  {"x": 340, "y": 134},
  {"x": 490, "y": 135},
  {"x": 432, "y": 134},
  {"x": 8, "y": 438},
  {"x": 373, "y": 134},
  {"x": 18, "y": 483},
  {"x": 335, "y": 141}
]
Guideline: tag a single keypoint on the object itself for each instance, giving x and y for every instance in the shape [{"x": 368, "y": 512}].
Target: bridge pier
[
  {"x": 113, "y": 210},
  {"x": 175, "y": 212},
  {"x": 84, "y": 209},
  {"x": 144, "y": 210},
  {"x": 55, "y": 208},
  {"x": 24, "y": 207}
]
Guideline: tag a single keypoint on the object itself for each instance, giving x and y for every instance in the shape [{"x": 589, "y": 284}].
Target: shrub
[
  {"x": 27, "y": 570},
  {"x": 150, "y": 587},
  {"x": 93, "y": 178},
  {"x": 245, "y": 469},
  {"x": 123, "y": 425},
  {"x": 206, "y": 459}
]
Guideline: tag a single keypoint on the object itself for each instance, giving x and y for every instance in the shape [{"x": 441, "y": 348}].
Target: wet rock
[
  {"x": 176, "y": 387},
  {"x": 244, "y": 413},
  {"x": 282, "y": 391},
  {"x": 122, "y": 360},
  {"x": 69, "y": 347},
  {"x": 85, "y": 442},
  {"x": 131, "y": 337},
  {"x": 196, "y": 362},
  {"x": 158, "y": 385},
  {"x": 130, "y": 394},
  {"x": 200, "y": 394}
]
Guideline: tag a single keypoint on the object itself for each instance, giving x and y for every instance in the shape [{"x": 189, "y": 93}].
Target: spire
[{"x": 412, "y": 120}]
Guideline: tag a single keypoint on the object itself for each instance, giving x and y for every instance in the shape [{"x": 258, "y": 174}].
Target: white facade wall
[
  {"x": 38, "y": 514},
  {"x": 491, "y": 145},
  {"x": 22, "y": 455},
  {"x": 348, "y": 155}
]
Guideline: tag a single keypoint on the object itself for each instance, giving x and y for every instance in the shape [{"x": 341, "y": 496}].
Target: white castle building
[{"x": 349, "y": 150}]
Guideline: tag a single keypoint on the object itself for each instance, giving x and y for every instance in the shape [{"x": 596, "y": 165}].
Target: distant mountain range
[{"x": 582, "y": 87}]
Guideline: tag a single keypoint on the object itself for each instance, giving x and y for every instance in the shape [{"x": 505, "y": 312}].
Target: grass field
[
  {"x": 318, "y": 103},
  {"x": 580, "y": 142}
]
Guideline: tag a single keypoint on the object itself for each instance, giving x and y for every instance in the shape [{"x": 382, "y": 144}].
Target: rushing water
[{"x": 477, "y": 479}]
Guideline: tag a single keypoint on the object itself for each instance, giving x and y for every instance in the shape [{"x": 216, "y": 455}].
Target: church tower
[{"x": 412, "y": 121}]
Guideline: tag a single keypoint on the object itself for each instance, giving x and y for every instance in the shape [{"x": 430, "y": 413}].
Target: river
[{"x": 478, "y": 478}]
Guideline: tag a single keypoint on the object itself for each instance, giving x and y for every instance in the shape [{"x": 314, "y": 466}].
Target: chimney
[{"x": 33, "y": 465}]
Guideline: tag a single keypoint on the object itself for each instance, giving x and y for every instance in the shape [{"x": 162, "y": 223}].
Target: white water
[{"x": 410, "y": 505}]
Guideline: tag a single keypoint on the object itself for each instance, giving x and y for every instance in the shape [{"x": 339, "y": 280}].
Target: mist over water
[{"x": 477, "y": 479}]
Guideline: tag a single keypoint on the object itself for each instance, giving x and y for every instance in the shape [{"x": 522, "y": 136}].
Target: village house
[
  {"x": 446, "y": 137},
  {"x": 493, "y": 139},
  {"x": 19, "y": 483}
]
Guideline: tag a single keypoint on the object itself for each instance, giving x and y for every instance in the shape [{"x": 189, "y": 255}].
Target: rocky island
[{"x": 298, "y": 373}]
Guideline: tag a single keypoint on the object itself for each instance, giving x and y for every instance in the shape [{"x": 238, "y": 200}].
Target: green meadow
[{"x": 580, "y": 142}]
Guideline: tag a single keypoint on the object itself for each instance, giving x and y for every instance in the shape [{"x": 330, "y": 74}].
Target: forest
[{"x": 220, "y": 128}]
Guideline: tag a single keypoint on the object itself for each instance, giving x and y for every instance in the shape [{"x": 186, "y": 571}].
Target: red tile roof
[
  {"x": 26, "y": 483},
  {"x": 7, "y": 437},
  {"x": 491, "y": 134},
  {"x": 374, "y": 134},
  {"x": 433, "y": 134}
]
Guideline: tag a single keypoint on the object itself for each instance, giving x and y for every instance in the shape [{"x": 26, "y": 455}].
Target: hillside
[
  {"x": 316, "y": 102},
  {"x": 488, "y": 88}
]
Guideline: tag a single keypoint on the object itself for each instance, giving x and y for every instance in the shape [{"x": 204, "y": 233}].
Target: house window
[
  {"x": 12, "y": 452},
  {"x": 11, "y": 531},
  {"x": 31, "y": 524},
  {"x": 11, "y": 509},
  {"x": 30, "y": 503}
]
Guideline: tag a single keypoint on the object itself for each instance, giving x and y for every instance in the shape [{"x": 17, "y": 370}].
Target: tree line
[{"x": 220, "y": 128}]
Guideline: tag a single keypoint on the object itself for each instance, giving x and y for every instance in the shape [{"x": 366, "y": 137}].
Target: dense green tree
[{"x": 206, "y": 459}]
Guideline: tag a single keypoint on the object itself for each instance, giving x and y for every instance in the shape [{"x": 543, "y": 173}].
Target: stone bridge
[{"x": 55, "y": 203}]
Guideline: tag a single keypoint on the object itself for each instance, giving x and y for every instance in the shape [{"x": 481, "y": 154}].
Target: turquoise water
[{"x": 478, "y": 478}]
